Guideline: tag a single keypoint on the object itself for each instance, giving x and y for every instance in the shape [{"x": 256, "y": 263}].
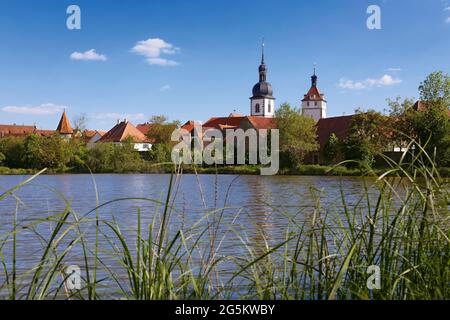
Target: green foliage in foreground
[{"x": 404, "y": 230}]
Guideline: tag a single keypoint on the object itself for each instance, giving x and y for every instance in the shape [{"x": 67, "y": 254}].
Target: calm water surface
[{"x": 257, "y": 206}]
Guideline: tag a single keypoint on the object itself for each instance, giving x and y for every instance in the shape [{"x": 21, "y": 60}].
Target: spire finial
[
  {"x": 314, "y": 77},
  {"x": 262, "y": 50}
]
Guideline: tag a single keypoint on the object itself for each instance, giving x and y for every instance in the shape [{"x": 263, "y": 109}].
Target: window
[
  {"x": 307, "y": 103},
  {"x": 315, "y": 103},
  {"x": 257, "y": 109},
  {"x": 270, "y": 108}
]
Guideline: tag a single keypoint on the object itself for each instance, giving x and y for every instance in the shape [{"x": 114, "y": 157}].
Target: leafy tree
[
  {"x": 331, "y": 149},
  {"x": 432, "y": 123},
  {"x": 110, "y": 157},
  {"x": 435, "y": 89},
  {"x": 99, "y": 158},
  {"x": 160, "y": 153},
  {"x": 401, "y": 114},
  {"x": 369, "y": 135},
  {"x": 158, "y": 119},
  {"x": 33, "y": 151},
  {"x": 161, "y": 130},
  {"x": 55, "y": 152},
  {"x": 124, "y": 158},
  {"x": 13, "y": 150},
  {"x": 2, "y": 158},
  {"x": 297, "y": 135}
]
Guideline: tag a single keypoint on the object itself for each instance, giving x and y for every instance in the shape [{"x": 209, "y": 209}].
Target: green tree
[
  {"x": 160, "y": 153},
  {"x": 297, "y": 135},
  {"x": 331, "y": 149},
  {"x": 2, "y": 158},
  {"x": 99, "y": 158},
  {"x": 55, "y": 152},
  {"x": 33, "y": 151},
  {"x": 13, "y": 149},
  {"x": 432, "y": 123},
  {"x": 401, "y": 113},
  {"x": 369, "y": 135}
]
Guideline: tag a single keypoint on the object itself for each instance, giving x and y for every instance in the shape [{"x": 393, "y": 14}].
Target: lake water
[{"x": 256, "y": 207}]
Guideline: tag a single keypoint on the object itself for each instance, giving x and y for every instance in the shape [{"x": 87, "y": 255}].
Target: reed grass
[{"x": 405, "y": 232}]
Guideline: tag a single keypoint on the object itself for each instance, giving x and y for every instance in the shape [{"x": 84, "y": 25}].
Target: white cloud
[
  {"x": 447, "y": 20},
  {"x": 384, "y": 81},
  {"x": 41, "y": 110},
  {"x": 447, "y": 9},
  {"x": 118, "y": 116},
  {"x": 153, "y": 49},
  {"x": 165, "y": 88},
  {"x": 89, "y": 55}
]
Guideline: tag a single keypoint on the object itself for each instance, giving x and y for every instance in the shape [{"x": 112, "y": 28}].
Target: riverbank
[{"x": 302, "y": 170}]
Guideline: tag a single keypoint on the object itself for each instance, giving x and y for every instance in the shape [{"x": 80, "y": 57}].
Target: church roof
[
  {"x": 256, "y": 122},
  {"x": 340, "y": 126},
  {"x": 221, "y": 122},
  {"x": 262, "y": 89},
  {"x": 123, "y": 131},
  {"x": 313, "y": 95},
  {"x": 262, "y": 122},
  {"x": 64, "y": 126}
]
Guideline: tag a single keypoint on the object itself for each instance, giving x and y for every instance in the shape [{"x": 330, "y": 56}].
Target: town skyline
[{"x": 166, "y": 62}]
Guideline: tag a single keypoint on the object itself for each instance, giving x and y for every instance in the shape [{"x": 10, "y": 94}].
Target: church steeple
[
  {"x": 262, "y": 67},
  {"x": 314, "y": 78},
  {"x": 262, "y": 101},
  {"x": 314, "y": 104}
]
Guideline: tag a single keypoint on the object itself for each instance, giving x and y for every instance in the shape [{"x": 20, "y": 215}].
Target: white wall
[
  {"x": 263, "y": 107},
  {"x": 316, "y": 112}
]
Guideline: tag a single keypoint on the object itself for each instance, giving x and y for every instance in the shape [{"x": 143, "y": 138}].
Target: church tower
[
  {"x": 262, "y": 103},
  {"x": 314, "y": 104}
]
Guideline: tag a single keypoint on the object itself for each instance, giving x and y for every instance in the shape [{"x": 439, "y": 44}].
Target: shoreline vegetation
[
  {"x": 301, "y": 170},
  {"x": 404, "y": 232}
]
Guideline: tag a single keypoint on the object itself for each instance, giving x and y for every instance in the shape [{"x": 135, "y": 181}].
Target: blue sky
[{"x": 206, "y": 59}]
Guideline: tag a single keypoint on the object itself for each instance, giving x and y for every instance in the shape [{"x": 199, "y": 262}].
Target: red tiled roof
[
  {"x": 15, "y": 130},
  {"x": 144, "y": 127},
  {"x": 222, "y": 123},
  {"x": 219, "y": 122},
  {"x": 22, "y": 131},
  {"x": 190, "y": 125},
  {"x": 340, "y": 126},
  {"x": 262, "y": 123},
  {"x": 45, "y": 133},
  {"x": 313, "y": 95},
  {"x": 123, "y": 131},
  {"x": 64, "y": 126}
]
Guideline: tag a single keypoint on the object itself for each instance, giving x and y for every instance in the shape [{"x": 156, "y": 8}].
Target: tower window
[
  {"x": 307, "y": 104},
  {"x": 315, "y": 103},
  {"x": 270, "y": 108},
  {"x": 257, "y": 109}
]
